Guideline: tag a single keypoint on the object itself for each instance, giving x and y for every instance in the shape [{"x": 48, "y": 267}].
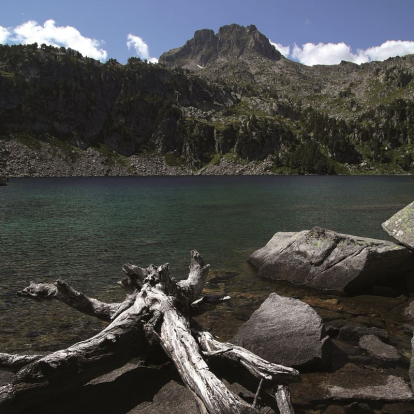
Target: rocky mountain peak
[{"x": 231, "y": 42}]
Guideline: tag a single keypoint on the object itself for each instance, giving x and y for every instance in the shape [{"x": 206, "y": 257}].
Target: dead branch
[
  {"x": 12, "y": 363},
  {"x": 62, "y": 291},
  {"x": 156, "y": 310}
]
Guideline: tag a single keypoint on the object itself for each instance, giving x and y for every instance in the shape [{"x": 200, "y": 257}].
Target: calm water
[{"x": 84, "y": 229}]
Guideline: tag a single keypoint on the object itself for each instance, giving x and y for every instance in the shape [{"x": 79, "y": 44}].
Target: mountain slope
[{"x": 242, "y": 108}]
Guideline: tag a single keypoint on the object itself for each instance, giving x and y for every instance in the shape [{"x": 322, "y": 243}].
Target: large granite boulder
[
  {"x": 401, "y": 226},
  {"x": 324, "y": 259},
  {"x": 286, "y": 331}
]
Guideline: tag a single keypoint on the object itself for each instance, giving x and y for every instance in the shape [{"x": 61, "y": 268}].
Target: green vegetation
[
  {"x": 28, "y": 140},
  {"x": 112, "y": 157},
  {"x": 173, "y": 161},
  {"x": 55, "y": 95}
]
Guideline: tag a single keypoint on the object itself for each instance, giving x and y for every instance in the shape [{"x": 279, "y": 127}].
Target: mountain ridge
[
  {"x": 231, "y": 41},
  {"x": 247, "y": 105}
]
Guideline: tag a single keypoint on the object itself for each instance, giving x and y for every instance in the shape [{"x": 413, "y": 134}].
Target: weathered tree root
[{"x": 157, "y": 309}]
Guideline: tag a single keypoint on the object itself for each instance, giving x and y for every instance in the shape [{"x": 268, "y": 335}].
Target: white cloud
[
  {"x": 326, "y": 54},
  {"x": 50, "y": 34},
  {"x": 390, "y": 48},
  {"x": 332, "y": 53},
  {"x": 4, "y": 34},
  {"x": 284, "y": 50},
  {"x": 141, "y": 48}
]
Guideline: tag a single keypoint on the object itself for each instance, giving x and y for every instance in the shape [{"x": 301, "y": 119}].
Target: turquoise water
[{"x": 84, "y": 229}]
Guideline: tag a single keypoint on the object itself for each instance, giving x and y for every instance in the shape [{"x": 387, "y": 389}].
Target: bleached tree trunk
[{"x": 155, "y": 311}]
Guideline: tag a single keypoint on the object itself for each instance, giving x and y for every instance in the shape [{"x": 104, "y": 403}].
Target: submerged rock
[
  {"x": 401, "y": 226},
  {"x": 355, "y": 333},
  {"x": 324, "y": 259},
  {"x": 350, "y": 383},
  {"x": 390, "y": 388},
  {"x": 286, "y": 331},
  {"x": 376, "y": 348}
]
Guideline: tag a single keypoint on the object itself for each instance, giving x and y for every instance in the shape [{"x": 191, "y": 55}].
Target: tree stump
[{"x": 156, "y": 310}]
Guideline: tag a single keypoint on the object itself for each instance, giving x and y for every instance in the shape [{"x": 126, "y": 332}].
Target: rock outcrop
[
  {"x": 231, "y": 42},
  {"x": 401, "y": 226},
  {"x": 324, "y": 259},
  {"x": 286, "y": 331}
]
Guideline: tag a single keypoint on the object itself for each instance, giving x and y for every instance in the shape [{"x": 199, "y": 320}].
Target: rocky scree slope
[{"x": 242, "y": 108}]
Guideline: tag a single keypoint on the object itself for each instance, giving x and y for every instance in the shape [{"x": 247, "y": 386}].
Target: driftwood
[{"x": 156, "y": 311}]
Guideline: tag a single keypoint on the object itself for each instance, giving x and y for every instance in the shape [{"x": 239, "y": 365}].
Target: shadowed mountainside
[{"x": 221, "y": 100}]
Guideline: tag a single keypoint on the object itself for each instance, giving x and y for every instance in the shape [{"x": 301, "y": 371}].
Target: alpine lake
[{"x": 83, "y": 230}]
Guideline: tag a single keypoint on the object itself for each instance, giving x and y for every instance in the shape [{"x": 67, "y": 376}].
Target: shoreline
[{"x": 60, "y": 160}]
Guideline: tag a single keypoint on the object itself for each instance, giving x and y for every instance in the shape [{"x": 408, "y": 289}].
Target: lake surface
[{"x": 83, "y": 230}]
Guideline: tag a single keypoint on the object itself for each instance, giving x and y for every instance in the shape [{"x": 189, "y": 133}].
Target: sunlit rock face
[
  {"x": 231, "y": 42},
  {"x": 401, "y": 226},
  {"x": 324, "y": 259}
]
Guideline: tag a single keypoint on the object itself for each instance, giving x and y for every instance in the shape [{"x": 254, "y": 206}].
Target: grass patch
[
  {"x": 173, "y": 161},
  {"x": 28, "y": 141},
  {"x": 112, "y": 157},
  {"x": 7, "y": 75},
  {"x": 63, "y": 149}
]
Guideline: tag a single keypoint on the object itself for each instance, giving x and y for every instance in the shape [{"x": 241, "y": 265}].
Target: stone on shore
[
  {"x": 286, "y": 331},
  {"x": 352, "y": 384},
  {"x": 324, "y": 259},
  {"x": 409, "y": 312},
  {"x": 391, "y": 388},
  {"x": 377, "y": 349},
  {"x": 401, "y": 226}
]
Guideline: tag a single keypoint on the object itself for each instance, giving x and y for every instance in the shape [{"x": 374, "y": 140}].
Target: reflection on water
[{"x": 84, "y": 229}]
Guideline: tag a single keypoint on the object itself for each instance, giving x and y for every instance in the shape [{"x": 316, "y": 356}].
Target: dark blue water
[{"x": 84, "y": 229}]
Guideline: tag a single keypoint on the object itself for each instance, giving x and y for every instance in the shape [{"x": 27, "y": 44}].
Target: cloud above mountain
[
  {"x": 332, "y": 53},
  {"x": 50, "y": 34},
  {"x": 141, "y": 48},
  {"x": 4, "y": 35},
  {"x": 284, "y": 50}
]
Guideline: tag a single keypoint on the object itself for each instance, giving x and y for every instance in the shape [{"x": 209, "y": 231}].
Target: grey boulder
[
  {"x": 286, "y": 331},
  {"x": 409, "y": 312},
  {"x": 324, "y": 259},
  {"x": 401, "y": 226},
  {"x": 377, "y": 349}
]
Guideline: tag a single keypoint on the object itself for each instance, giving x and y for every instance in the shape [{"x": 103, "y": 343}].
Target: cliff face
[
  {"x": 83, "y": 102},
  {"x": 231, "y": 42},
  {"x": 243, "y": 103}
]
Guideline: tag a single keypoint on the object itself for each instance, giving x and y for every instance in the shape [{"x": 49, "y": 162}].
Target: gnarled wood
[
  {"x": 257, "y": 366},
  {"x": 12, "y": 363},
  {"x": 62, "y": 291},
  {"x": 156, "y": 310},
  {"x": 283, "y": 400}
]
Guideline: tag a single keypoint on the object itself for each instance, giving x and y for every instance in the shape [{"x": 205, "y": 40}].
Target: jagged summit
[{"x": 231, "y": 42}]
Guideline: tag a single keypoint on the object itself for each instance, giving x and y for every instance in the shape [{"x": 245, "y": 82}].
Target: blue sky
[{"x": 330, "y": 29}]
